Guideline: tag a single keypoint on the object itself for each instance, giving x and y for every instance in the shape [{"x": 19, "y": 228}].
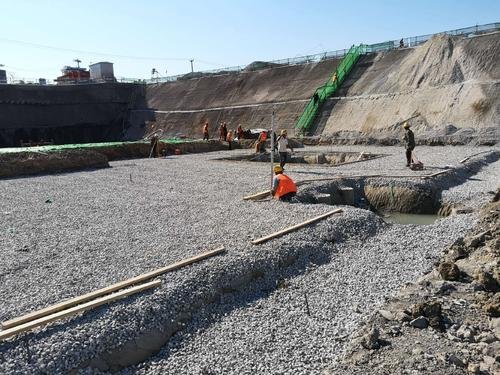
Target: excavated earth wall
[
  {"x": 247, "y": 98},
  {"x": 66, "y": 113},
  {"x": 448, "y": 89}
]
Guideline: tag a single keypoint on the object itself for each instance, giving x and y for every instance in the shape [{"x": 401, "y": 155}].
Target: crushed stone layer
[
  {"x": 68, "y": 234},
  {"x": 273, "y": 333}
]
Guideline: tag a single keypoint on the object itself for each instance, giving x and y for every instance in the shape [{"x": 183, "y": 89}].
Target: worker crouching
[{"x": 283, "y": 186}]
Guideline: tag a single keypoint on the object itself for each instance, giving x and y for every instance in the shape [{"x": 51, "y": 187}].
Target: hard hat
[
  {"x": 278, "y": 169},
  {"x": 406, "y": 125}
]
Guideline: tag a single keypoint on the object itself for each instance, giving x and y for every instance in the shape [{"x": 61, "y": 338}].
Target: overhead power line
[{"x": 43, "y": 46}]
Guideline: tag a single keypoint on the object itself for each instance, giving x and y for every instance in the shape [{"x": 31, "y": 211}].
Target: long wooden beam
[
  {"x": 260, "y": 195},
  {"x": 76, "y": 309},
  {"x": 295, "y": 227},
  {"x": 109, "y": 289},
  {"x": 436, "y": 174}
]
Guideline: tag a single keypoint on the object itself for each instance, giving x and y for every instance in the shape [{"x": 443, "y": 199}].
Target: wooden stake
[
  {"x": 76, "y": 309},
  {"x": 295, "y": 227},
  {"x": 109, "y": 289}
]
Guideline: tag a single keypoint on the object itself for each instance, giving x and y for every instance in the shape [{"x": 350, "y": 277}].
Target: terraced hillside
[
  {"x": 447, "y": 80},
  {"x": 247, "y": 98}
]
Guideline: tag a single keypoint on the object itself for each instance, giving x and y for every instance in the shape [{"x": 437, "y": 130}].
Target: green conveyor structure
[{"x": 306, "y": 119}]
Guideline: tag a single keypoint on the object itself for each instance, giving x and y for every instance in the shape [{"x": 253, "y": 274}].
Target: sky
[{"x": 39, "y": 37}]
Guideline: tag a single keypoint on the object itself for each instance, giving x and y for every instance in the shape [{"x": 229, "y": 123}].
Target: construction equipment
[
  {"x": 324, "y": 92},
  {"x": 415, "y": 165}
]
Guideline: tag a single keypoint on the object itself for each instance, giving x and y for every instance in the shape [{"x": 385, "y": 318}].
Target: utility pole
[
  {"x": 191, "y": 61},
  {"x": 272, "y": 148},
  {"x": 78, "y": 61}
]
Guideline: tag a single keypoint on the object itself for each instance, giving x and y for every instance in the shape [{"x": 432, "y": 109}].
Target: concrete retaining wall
[{"x": 66, "y": 114}]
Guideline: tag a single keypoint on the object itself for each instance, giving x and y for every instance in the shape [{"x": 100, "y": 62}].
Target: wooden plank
[
  {"x": 109, "y": 289},
  {"x": 260, "y": 195},
  {"x": 76, "y": 309},
  {"x": 471, "y": 156},
  {"x": 306, "y": 181},
  {"x": 295, "y": 227},
  {"x": 436, "y": 174}
]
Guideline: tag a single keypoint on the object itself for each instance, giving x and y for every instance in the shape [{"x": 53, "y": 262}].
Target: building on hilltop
[
  {"x": 102, "y": 72},
  {"x": 72, "y": 75},
  {"x": 3, "y": 76}
]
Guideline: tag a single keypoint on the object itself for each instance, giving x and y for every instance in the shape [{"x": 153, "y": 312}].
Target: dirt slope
[
  {"x": 448, "y": 80},
  {"x": 249, "y": 92}
]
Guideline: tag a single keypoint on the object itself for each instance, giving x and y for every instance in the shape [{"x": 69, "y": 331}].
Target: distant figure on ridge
[
  {"x": 205, "y": 131},
  {"x": 409, "y": 139},
  {"x": 401, "y": 43},
  {"x": 283, "y": 186}
]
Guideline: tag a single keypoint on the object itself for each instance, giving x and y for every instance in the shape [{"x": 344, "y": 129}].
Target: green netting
[
  {"x": 56, "y": 148},
  {"x": 322, "y": 93}
]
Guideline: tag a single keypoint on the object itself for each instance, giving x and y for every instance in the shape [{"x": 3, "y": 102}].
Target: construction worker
[
  {"x": 261, "y": 141},
  {"x": 155, "y": 147},
  {"x": 222, "y": 136},
  {"x": 224, "y": 131},
  {"x": 229, "y": 138},
  {"x": 409, "y": 140},
  {"x": 239, "y": 132},
  {"x": 283, "y": 186},
  {"x": 205, "y": 131},
  {"x": 282, "y": 146}
]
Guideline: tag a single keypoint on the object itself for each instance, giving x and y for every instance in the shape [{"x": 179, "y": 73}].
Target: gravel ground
[
  {"x": 64, "y": 235},
  {"x": 271, "y": 333}
]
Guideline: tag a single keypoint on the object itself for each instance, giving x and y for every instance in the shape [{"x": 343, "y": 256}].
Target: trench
[
  {"x": 304, "y": 157},
  {"x": 292, "y": 259}
]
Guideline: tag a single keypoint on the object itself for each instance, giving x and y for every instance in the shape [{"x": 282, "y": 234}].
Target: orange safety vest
[{"x": 285, "y": 186}]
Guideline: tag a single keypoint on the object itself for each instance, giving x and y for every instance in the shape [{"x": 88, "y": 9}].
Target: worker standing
[
  {"x": 409, "y": 139},
  {"x": 261, "y": 141},
  {"x": 224, "y": 130},
  {"x": 229, "y": 138},
  {"x": 282, "y": 146},
  {"x": 239, "y": 132},
  {"x": 222, "y": 136},
  {"x": 283, "y": 186},
  {"x": 205, "y": 131}
]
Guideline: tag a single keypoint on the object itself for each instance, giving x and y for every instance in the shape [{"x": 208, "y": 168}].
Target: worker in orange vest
[
  {"x": 261, "y": 142},
  {"x": 283, "y": 186}
]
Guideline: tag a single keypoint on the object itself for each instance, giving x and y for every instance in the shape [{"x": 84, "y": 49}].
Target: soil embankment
[
  {"x": 447, "y": 322},
  {"x": 447, "y": 80},
  {"x": 247, "y": 98},
  {"x": 28, "y": 163}
]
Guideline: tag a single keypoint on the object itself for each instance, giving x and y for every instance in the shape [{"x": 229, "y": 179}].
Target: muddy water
[{"x": 405, "y": 219}]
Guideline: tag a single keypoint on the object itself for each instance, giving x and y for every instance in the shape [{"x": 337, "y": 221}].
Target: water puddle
[{"x": 405, "y": 219}]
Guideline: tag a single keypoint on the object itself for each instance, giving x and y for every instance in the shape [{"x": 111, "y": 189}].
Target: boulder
[
  {"x": 449, "y": 271},
  {"x": 371, "y": 339}
]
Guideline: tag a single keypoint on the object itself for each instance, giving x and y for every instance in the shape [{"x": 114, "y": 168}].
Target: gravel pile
[
  {"x": 64, "y": 235},
  {"x": 268, "y": 331}
]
